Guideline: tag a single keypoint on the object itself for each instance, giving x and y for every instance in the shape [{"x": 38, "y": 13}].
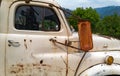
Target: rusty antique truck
[{"x": 36, "y": 40}]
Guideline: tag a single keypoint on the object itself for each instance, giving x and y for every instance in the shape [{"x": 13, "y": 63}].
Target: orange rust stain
[
  {"x": 30, "y": 69},
  {"x": 16, "y": 70},
  {"x": 13, "y": 72},
  {"x": 27, "y": 69},
  {"x": 36, "y": 64},
  {"x": 20, "y": 65},
  {"x": 46, "y": 65}
]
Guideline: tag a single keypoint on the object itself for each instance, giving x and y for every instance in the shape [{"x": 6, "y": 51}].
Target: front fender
[{"x": 102, "y": 70}]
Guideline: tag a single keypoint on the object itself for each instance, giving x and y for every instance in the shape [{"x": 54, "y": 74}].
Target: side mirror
[{"x": 85, "y": 35}]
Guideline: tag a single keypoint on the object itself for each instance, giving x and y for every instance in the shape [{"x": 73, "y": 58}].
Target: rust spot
[
  {"x": 30, "y": 40},
  {"x": 41, "y": 61},
  {"x": 9, "y": 45},
  {"x": 46, "y": 65},
  {"x": 25, "y": 44},
  {"x": 38, "y": 67},
  {"x": 36, "y": 64},
  {"x": 27, "y": 69},
  {"x": 13, "y": 72},
  {"x": 16, "y": 70},
  {"x": 12, "y": 65},
  {"x": 24, "y": 40},
  {"x": 19, "y": 65}
]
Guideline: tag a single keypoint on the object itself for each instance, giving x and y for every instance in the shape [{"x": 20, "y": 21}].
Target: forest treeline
[{"x": 108, "y": 25}]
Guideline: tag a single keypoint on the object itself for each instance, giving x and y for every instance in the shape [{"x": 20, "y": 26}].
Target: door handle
[{"x": 13, "y": 43}]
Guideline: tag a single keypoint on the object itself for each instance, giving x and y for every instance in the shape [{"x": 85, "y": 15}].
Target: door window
[{"x": 29, "y": 17}]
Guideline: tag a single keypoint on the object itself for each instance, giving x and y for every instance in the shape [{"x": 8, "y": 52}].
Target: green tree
[
  {"x": 110, "y": 26},
  {"x": 84, "y": 13}
]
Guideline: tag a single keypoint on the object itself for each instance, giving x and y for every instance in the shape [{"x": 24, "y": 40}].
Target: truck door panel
[{"x": 29, "y": 49}]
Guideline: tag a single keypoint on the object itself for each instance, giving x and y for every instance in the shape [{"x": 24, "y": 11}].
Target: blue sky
[{"x": 72, "y": 4}]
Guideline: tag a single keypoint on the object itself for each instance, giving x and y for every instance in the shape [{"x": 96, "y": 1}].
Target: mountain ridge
[{"x": 107, "y": 11}]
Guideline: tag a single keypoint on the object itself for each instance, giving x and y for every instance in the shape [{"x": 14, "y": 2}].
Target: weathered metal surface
[
  {"x": 105, "y": 43},
  {"x": 25, "y": 44},
  {"x": 102, "y": 70},
  {"x": 37, "y": 56},
  {"x": 28, "y": 69},
  {"x": 90, "y": 60},
  {"x": 52, "y": 63},
  {"x": 2, "y": 54}
]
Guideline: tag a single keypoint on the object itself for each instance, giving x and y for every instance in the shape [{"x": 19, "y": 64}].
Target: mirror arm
[{"x": 65, "y": 44}]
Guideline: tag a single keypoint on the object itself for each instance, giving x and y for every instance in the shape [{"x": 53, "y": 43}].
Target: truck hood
[
  {"x": 102, "y": 43},
  {"x": 105, "y": 43}
]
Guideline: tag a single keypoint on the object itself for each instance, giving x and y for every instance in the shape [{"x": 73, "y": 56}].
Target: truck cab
[{"x": 36, "y": 40}]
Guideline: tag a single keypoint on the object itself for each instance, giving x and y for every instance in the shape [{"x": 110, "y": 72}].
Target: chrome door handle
[{"x": 13, "y": 43}]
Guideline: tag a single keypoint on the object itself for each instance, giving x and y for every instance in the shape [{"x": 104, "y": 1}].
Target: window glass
[{"x": 36, "y": 18}]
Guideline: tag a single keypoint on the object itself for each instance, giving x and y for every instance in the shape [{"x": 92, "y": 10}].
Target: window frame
[
  {"x": 43, "y": 7},
  {"x": 64, "y": 30}
]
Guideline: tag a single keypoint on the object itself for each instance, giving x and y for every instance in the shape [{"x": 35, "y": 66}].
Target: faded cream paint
[{"x": 37, "y": 56}]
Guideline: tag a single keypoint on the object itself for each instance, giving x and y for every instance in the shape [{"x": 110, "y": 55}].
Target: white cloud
[{"x": 72, "y": 4}]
